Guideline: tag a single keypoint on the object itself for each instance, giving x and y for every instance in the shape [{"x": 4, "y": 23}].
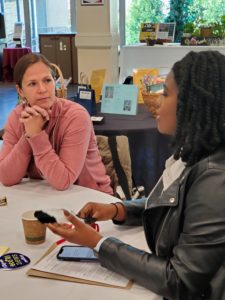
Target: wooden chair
[{"x": 115, "y": 154}]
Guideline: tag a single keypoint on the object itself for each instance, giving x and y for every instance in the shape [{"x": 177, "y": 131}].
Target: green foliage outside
[
  {"x": 142, "y": 11},
  {"x": 199, "y": 12},
  {"x": 206, "y": 11}
]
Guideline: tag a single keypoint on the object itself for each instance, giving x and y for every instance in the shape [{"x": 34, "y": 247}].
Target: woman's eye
[
  {"x": 48, "y": 80},
  {"x": 32, "y": 83}
]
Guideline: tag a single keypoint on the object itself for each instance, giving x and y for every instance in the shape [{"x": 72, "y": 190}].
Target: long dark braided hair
[{"x": 200, "y": 77}]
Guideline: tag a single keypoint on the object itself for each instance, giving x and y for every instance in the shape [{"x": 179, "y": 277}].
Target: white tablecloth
[
  {"x": 39, "y": 195},
  {"x": 158, "y": 56}
]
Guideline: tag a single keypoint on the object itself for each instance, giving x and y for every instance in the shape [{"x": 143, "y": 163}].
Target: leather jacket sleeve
[
  {"x": 200, "y": 250},
  {"x": 134, "y": 211}
]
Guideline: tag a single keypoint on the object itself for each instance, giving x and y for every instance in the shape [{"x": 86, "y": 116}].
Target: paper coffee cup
[{"x": 34, "y": 231}]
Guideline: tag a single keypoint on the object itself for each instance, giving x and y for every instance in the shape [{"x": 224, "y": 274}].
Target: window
[
  {"x": 13, "y": 12},
  {"x": 38, "y": 16},
  {"x": 138, "y": 12},
  {"x": 200, "y": 12}
]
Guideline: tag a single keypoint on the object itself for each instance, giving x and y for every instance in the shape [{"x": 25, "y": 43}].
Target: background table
[
  {"x": 37, "y": 194},
  {"x": 148, "y": 148},
  {"x": 10, "y": 58},
  {"x": 140, "y": 56}
]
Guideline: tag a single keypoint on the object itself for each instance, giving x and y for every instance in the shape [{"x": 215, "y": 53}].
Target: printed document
[{"x": 92, "y": 271}]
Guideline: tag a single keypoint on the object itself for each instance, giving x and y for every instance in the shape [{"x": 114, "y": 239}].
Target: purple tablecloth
[{"x": 10, "y": 58}]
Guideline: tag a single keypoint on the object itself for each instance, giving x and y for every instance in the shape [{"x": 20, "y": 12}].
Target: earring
[{"x": 23, "y": 101}]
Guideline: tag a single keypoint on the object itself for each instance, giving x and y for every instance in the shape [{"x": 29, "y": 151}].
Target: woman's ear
[
  {"x": 21, "y": 96},
  {"x": 20, "y": 91}
]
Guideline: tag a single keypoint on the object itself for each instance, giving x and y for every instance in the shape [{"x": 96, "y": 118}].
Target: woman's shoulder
[
  {"x": 217, "y": 159},
  {"x": 68, "y": 105},
  {"x": 71, "y": 110},
  {"x": 16, "y": 111},
  {"x": 214, "y": 161}
]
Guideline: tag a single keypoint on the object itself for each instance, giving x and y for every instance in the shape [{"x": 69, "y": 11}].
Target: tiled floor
[{"x": 9, "y": 99}]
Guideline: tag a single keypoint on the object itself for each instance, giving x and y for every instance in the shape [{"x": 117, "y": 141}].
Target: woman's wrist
[
  {"x": 31, "y": 135},
  {"x": 95, "y": 240},
  {"x": 119, "y": 214}
]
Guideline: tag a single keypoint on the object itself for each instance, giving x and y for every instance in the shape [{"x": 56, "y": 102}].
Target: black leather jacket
[{"x": 185, "y": 231}]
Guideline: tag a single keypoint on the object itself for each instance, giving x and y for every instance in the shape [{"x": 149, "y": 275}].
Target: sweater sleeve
[
  {"x": 15, "y": 154},
  {"x": 63, "y": 169}
]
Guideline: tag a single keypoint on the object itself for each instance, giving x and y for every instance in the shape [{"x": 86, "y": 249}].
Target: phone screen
[{"x": 76, "y": 253}]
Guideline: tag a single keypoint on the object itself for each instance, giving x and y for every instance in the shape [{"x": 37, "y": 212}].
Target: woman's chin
[{"x": 47, "y": 105}]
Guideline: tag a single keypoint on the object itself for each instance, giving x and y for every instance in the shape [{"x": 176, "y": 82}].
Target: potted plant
[{"x": 188, "y": 29}]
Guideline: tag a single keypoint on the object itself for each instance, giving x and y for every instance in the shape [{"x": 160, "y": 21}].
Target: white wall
[{"x": 98, "y": 38}]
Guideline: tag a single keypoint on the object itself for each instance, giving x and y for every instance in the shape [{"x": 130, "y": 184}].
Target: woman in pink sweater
[{"x": 49, "y": 137}]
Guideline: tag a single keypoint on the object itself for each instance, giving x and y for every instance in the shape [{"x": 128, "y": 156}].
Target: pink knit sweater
[{"x": 65, "y": 152}]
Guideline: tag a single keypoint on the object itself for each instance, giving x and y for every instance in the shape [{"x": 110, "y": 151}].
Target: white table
[
  {"x": 37, "y": 194},
  {"x": 159, "y": 56}
]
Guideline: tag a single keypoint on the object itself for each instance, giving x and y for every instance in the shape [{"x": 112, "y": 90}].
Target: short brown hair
[{"x": 26, "y": 61}]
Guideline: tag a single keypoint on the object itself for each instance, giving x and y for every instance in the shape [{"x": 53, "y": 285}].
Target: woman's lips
[{"x": 41, "y": 99}]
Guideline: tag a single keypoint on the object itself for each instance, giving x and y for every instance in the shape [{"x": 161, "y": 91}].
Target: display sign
[
  {"x": 97, "y": 79},
  {"x": 119, "y": 99},
  {"x": 157, "y": 31},
  {"x": 86, "y": 98},
  {"x": 148, "y": 31}
]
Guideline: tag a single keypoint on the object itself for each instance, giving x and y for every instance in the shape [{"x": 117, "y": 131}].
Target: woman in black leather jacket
[{"x": 184, "y": 215}]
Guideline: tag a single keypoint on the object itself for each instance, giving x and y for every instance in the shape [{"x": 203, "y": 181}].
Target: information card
[{"x": 119, "y": 99}]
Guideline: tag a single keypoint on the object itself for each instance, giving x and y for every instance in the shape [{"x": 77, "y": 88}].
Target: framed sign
[
  {"x": 119, "y": 99},
  {"x": 92, "y": 2}
]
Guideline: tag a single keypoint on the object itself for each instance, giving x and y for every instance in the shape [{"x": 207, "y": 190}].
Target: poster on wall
[{"x": 92, "y": 2}]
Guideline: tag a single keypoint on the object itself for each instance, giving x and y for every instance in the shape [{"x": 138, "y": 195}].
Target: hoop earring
[{"x": 23, "y": 101}]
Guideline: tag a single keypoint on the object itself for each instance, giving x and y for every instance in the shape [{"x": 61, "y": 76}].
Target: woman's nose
[{"x": 41, "y": 87}]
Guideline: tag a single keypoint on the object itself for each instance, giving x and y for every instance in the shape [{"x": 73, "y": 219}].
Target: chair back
[{"x": 115, "y": 155}]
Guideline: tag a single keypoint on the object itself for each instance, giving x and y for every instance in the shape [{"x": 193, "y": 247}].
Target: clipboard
[{"x": 37, "y": 273}]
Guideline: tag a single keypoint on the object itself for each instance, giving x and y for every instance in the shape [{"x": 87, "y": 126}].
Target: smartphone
[{"x": 76, "y": 253}]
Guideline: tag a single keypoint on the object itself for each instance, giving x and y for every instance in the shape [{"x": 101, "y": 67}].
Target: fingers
[
  {"x": 86, "y": 211},
  {"x": 72, "y": 219},
  {"x": 44, "y": 113},
  {"x": 53, "y": 227},
  {"x": 81, "y": 233},
  {"x": 61, "y": 231},
  {"x": 96, "y": 211},
  {"x": 35, "y": 111}
]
